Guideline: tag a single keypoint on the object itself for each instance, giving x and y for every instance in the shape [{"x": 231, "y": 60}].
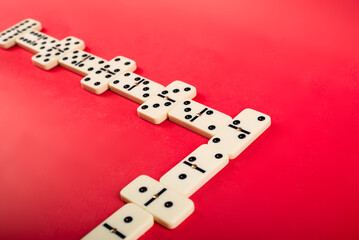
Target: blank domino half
[
  {"x": 97, "y": 82},
  {"x": 129, "y": 222},
  {"x": 195, "y": 170},
  {"x": 9, "y": 36},
  {"x": 134, "y": 87},
  {"x": 241, "y": 132},
  {"x": 49, "y": 57},
  {"x": 168, "y": 207},
  {"x": 35, "y": 41},
  {"x": 198, "y": 118},
  {"x": 155, "y": 109},
  {"x": 81, "y": 62}
]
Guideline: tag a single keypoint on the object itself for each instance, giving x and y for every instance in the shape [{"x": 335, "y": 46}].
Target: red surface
[{"x": 65, "y": 153}]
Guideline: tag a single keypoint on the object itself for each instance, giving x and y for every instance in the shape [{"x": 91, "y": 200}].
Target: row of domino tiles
[{"x": 165, "y": 201}]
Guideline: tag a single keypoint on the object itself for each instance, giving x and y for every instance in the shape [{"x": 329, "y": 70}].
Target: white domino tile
[
  {"x": 81, "y": 62},
  {"x": 35, "y": 41},
  {"x": 241, "y": 132},
  {"x": 49, "y": 57},
  {"x": 195, "y": 170},
  {"x": 97, "y": 82},
  {"x": 155, "y": 109},
  {"x": 135, "y": 87},
  {"x": 168, "y": 207},
  {"x": 128, "y": 223},
  {"x": 198, "y": 118},
  {"x": 9, "y": 36}
]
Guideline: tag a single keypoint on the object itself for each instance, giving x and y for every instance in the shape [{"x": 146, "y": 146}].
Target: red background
[{"x": 65, "y": 153}]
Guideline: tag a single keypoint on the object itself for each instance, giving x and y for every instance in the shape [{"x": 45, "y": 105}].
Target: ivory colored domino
[
  {"x": 35, "y": 41},
  {"x": 241, "y": 132},
  {"x": 49, "y": 57},
  {"x": 9, "y": 36},
  {"x": 134, "y": 87},
  {"x": 81, "y": 62},
  {"x": 198, "y": 118},
  {"x": 155, "y": 109},
  {"x": 97, "y": 82},
  {"x": 129, "y": 222},
  {"x": 195, "y": 170},
  {"x": 168, "y": 207}
]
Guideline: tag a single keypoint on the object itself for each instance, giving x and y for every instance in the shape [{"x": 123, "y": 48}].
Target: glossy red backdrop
[{"x": 65, "y": 153}]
